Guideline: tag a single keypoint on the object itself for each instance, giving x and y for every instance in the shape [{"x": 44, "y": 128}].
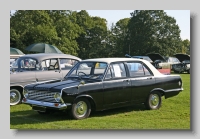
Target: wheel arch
[
  {"x": 160, "y": 90},
  {"x": 89, "y": 98},
  {"x": 18, "y": 87}
]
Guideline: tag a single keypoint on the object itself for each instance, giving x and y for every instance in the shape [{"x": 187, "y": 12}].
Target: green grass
[{"x": 173, "y": 114}]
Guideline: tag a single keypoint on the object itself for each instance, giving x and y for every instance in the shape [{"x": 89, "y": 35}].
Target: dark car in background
[
  {"x": 32, "y": 68},
  {"x": 100, "y": 84},
  {"x": 159, "y": 61},
  {"x": 184, "y": 65}
]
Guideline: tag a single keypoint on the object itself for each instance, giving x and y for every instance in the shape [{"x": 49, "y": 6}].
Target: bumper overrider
[{"x": 58, "y": 106}]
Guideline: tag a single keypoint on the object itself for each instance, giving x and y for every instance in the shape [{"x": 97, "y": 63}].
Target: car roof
[
  {"x": 110, "y": 60},
  {"x": 15, "y": 56},
  {"x": 41, "y": 56}
]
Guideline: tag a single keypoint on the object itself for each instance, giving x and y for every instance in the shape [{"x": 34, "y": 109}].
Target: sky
[
  {"x": 182, "y": 18},
  {"x": 112, "y": 16}
]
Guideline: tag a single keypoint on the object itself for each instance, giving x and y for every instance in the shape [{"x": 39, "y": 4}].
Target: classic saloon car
[
  {"x": 33, "y": 68},
  {"x": 118, "y": 82},
  {"x": 184, "y": 65}
]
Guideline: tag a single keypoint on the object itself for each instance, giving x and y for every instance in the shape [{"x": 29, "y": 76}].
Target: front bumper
[{"x": 58, "y": 106}]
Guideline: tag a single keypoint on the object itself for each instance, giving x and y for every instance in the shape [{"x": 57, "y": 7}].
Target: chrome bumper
[{"x": 58, "y": 106}]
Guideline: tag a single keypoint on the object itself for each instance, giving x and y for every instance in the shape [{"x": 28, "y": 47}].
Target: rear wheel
[
  {"x": 81, "y": 109},
  {"x": 153, "y": 101},
  {"x": 15, "y": 97}
]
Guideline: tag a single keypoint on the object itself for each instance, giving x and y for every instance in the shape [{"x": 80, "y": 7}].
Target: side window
[
  {"x": 135, "y": 69},
  {"x": 66, "y": 64},
  {"x": 28, "y": 64},
  {"x": 118, "y": 70},
  {"x": 50, "y": 64},
  {"x": 146, "y": 71},
  {"x": 100, "y": 68}
]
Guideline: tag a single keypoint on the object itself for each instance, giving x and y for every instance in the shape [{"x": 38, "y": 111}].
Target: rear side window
[{"x": 137, "y": 69}]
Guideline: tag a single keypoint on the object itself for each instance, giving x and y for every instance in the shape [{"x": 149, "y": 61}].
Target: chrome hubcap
[
  {"x": 81, "y": 109},
  {"x": 14, "y": 97},
  {"x": 154, "y": 100}
]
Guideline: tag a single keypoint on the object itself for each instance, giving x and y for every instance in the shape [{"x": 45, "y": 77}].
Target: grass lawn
[{"x": 173, "y": 114}]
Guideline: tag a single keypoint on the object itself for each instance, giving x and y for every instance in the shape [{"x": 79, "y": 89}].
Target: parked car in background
[
  {"x": 33, "y": 68},
  {"x": 172, "y": 60},
  {"x": 140, "y": 57},
  {"x": 87, "y": 87},
  {"x": 160, "y": 63},
  {"x": 184, "y": 66}
]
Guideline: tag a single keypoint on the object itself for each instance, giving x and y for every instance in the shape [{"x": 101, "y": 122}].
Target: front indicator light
[{"x": 56, "y": 104}]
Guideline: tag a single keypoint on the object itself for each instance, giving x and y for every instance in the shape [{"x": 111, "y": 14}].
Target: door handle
[
  {"x": 150, "y": 78},
  {"x": 126, "y": 80}
]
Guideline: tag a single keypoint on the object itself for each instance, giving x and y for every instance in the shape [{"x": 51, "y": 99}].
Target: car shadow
[
  {"x": 33, "y": 117},
  {"x": 114, "y": 111}
]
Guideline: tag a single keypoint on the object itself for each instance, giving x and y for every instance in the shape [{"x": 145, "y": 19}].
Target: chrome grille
[{"x": 39, "y": 95}]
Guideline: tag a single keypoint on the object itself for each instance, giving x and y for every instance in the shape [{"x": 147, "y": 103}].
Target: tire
[
  {"x": 81, "y": 109},
  {"x": 153, "y": 101},
  {"x": 15, "y": 97}
]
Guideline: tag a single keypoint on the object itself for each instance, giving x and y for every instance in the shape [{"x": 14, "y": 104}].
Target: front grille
[{"x": 39, "y": 95}]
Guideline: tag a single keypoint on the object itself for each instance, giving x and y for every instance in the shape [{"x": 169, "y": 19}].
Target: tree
[
  {"x": 153, "y": 31},
  {"x": 46, "y": 26},
  {"x": 93, "y": 32},
  {"x": 121, "y": 33},
  {"x": 186, "y": 46}
]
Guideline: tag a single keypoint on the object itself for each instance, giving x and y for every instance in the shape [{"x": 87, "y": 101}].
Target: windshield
[{"x": 88, "y": 70}]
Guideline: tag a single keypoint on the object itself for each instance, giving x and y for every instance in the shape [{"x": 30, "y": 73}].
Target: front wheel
[
  {"x": 15, "y": 97},
  {"x": 81, "y": 109},
  {"x": 153, "y": 101}
]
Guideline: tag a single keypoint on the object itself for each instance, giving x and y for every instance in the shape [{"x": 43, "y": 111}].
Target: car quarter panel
[
  {"x": 22, "y": 78},
  {"x": 171, "y": 84}
]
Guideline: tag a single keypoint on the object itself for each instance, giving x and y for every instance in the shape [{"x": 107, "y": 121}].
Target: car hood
[
  {"x": 182, "y": 57},
  {"x": 155, "y": 56},
  {"x": 57, "y": 85}
]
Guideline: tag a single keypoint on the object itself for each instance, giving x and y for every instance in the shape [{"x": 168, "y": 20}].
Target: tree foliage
[
  {"x": 51, "y": 27},
  {"x": 78, "y": 33},
  {"x": 153, "y": 31}
]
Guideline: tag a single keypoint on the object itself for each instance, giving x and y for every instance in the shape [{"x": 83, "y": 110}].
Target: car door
[
  {"x": 50, "y": 70},
  {"x": 116, "y": 85},
  {"x": 142, "y": 81}
]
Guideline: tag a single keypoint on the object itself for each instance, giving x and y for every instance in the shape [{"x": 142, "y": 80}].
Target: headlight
[
  {"x": 57, "y": 97},
  {"x": 25, "y": 93}
]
